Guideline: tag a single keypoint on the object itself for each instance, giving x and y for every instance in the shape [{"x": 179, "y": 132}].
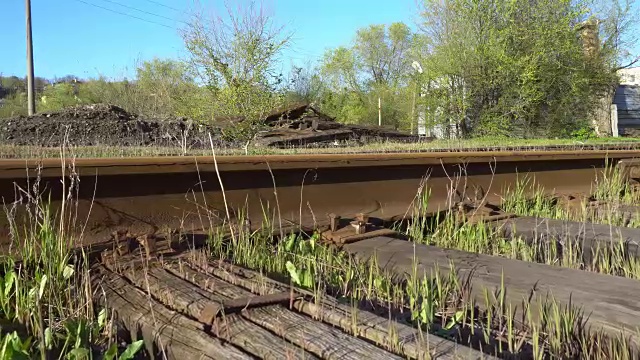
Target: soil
[
  {"x": 110, "y": 125},
  {"x": 104, "y": 125}
]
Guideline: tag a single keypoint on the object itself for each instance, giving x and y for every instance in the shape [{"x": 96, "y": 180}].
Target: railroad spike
[
  {"x": 148, "y": 241},
  {"x": 334, "y": 222},
  {"x": 360, "y": 226}
]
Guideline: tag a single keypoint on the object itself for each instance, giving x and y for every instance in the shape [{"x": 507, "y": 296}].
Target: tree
[
  {"x": 376, "y": 66},
  {"x": 236, "y": 56},
  {"x": 608, "y": 36},
  {"x": 305, "y": 84},
  {"x": 510, "y": 68},
  {"x": 167, "y": 88},
  {"x": 12, "y": 85},
  {"x": 59, "y": 96}
]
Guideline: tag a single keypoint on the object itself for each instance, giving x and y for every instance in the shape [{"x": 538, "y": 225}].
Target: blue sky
[{"x": 80, "y": 37}]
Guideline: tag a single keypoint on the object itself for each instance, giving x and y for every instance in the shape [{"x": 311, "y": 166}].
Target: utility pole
[{"x": 31, "y": 101}]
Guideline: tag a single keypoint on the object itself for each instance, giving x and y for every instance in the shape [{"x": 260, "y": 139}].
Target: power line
[
  {"x": 125, "y": 14},
  {"x": 299, "y": 50},
  {"x": 142, "y": 11},
  {"x": 163, "y": 5}
]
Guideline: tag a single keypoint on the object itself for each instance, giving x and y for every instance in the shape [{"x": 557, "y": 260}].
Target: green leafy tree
[
  {"x": 305, "y": 85},
  {"x": 235, "y": 56},
  {"x": 166, "y": 88},
  {"x": 59, "y": 96},
  {"x": 162, "y": 88},
  {"x": 510, "y": 68},
  {"x": 376, "y": 67}
]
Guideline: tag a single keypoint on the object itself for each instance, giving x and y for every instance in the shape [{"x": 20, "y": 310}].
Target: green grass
[
  {"x": 13, "y": 151},
  {"x": 527, "y": 198},
  {"x": 610, "y": 191},
  {"x": 46, "y": 296},
  {"x": 440, "y": 303},
  {"x": 49, "y": 301}
]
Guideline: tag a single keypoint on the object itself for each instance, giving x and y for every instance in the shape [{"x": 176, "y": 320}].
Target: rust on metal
[
  {"x": 213, "y": 309},
  {"x": 10, "y": 168},
  {"x": 147, "y": 194},
  {"x": 148, "y": 242},
  {"x": 484, "y": 213},
  {"x": 356, "y": 230}
]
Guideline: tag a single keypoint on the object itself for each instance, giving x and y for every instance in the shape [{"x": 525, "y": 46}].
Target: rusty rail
[{"x": 151, "y": 195}]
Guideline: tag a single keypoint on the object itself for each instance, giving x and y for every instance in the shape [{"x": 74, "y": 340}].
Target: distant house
[
  {"x": 627, "y": 102},
  {"x": 438, "y": 126},
  {"x": 630, "y": 76}
]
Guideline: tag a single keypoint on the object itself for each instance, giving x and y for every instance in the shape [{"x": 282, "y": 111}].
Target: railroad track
[
  {"x": 187, "y": 304},
  {"x": 152, "y": 195},
  {"x": 202, "y": 308}
]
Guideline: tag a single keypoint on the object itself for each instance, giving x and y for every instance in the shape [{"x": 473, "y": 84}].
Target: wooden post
[
  {"x": 379, "y": 112},
  {"x": 413, "y": 108},
  {"x": 614, "y": 120}
]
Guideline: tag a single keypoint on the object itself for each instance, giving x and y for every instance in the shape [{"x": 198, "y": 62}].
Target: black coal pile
[
  {"x": 104, "y": 125},
  {"x": 109, "y": 125}
]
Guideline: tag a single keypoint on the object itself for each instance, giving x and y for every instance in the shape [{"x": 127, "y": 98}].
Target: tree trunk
[{"x": 601, "y": 115}]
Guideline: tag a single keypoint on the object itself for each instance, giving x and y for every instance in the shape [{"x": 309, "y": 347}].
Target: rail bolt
[
  {"x": 334, "y": 221},
  {"x": 362, "y": 217},
  {"x": 360, "y": 226}
]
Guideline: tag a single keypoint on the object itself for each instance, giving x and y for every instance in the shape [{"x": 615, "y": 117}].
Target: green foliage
[
  {"x": 492, "y": 68},
  {"x": 235, "y": 57},
  {"x": 59, "y": 96},
  {"x": 514, "y": 67},
  {"x": 13, "y": 347},
  {"x": 305, "y": 84},
  {"x": 584, "y": 133},
  {"x": 128, "y": 353},
  {"x": 348, "y": 107},
  {"x": 14, "y": 105},
  {"x": 163, "y": 88},
  {"x": 437, "y": 300},
  {"x": 45, "y": 297},
  {"x": 375, "y": 67}
]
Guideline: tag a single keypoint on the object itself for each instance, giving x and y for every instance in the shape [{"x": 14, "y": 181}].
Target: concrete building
[
  {"x": 626, "y": 103},
  {"x": 630, "y": 76}
]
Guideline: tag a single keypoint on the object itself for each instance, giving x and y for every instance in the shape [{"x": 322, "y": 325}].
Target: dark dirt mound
[
  {"x": 303, "y": 125},
  {"x": 109, "y": 125},
  {"x": 106, "y": 125}
]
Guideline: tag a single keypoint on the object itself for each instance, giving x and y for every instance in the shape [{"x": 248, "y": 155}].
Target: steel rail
[{"x": 146, "y": 195}]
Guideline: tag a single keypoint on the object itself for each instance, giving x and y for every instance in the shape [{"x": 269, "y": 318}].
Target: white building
[
  {"x": 438, "y": 127},
  {"x": 625, "y": 110},
  {"x": 630, "y": 76}
]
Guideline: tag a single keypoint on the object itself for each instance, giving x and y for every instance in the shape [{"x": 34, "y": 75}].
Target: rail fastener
[{"x": 348, "y": 231}]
